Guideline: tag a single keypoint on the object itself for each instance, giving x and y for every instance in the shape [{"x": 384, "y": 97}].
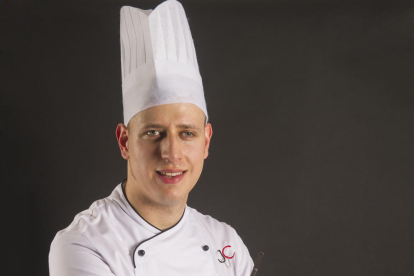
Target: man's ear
[
  {"x": 121, "y": 133},
  {"x": 208, "y": 132}
]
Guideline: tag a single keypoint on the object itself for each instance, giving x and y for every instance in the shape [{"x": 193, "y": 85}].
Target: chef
[{"x": 144, "y": 227}]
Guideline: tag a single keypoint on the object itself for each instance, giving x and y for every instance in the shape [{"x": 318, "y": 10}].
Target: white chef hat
[{"x": 158, "y": 59}]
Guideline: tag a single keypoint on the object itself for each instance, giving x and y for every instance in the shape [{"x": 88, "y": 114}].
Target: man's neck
[{"x": 162, "y": 217}]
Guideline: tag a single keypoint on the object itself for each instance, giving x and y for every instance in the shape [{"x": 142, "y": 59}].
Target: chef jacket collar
[
  {"x": 131, "y": 212},
  {"x": 161, "y": 240}
]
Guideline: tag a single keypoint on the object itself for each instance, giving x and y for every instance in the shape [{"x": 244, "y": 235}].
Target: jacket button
[
  {"x": 205, "y": 247},
  {"x": 141, "y": 252}
]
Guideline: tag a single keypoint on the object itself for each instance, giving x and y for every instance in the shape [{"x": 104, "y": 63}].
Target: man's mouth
[{"x": 170, "y": 175}]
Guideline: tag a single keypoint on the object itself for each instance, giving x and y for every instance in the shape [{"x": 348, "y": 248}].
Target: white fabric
[
  {"x": 105, "y": 240},
  {"x": 158, "y": 59}
]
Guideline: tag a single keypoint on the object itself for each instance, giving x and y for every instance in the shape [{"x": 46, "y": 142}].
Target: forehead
[{"x": 170, "y": 114}]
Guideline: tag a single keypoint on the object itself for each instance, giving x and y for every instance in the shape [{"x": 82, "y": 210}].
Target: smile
[
  {"x": 171, "y": 178},
  {"x": 170, "y": 174}
]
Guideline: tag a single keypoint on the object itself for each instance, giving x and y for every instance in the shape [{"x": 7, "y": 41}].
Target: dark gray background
[{"x": 311, "y": 104}]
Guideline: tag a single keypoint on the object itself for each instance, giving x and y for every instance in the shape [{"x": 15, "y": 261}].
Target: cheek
[
  {"x": 143, "y": 150},
  {"x": 196, "y": 156},
  {"x": 144, "y": 156}
]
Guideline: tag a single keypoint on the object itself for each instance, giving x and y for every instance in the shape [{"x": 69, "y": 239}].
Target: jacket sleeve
[
  {"x": 244, "y": 261},
  {"x": 74, "y": 255}
]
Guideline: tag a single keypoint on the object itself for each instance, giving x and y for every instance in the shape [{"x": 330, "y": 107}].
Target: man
[{"x": 145, "y": 226}]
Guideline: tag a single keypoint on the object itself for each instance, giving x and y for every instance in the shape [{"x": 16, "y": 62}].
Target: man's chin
[{"x": 173, "y": 199}]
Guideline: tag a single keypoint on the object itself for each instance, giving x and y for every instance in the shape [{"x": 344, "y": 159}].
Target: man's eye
[
  {"x": 189, "y": 134},
  {"x": 152, "y": 132}
]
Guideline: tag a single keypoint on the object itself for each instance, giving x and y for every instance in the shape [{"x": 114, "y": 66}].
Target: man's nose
[{"x": 171, "y": 148}]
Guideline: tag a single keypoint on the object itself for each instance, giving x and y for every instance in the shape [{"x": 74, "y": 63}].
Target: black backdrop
[{"x": 311, "y": 105}]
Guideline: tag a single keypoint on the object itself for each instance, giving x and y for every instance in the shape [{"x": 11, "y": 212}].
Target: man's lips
[{"x": 171, "y": 176}]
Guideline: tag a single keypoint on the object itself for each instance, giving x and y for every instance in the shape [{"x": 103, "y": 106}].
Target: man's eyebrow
[
  {"x": 188, "y": 126},
  {"x": 152, "y": 126},
  {"x": 182, "y": 126}
]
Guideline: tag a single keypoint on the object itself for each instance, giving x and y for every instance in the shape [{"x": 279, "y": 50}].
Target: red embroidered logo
[
  {"x": 224, "y": 258},
  {"x": 222, "y": 251}
]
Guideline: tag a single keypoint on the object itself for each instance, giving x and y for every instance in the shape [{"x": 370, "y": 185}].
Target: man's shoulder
[
  {"x": 84, "y": 222},
  {"x": 77, "y": 247},
  {"x": 97, "y": 216}
]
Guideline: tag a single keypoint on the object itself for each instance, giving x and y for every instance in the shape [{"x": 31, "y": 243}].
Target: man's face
[{"x": 167, "y": 137}]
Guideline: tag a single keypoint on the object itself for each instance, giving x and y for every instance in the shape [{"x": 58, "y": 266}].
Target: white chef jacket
[{"x": 111, "y": 238}]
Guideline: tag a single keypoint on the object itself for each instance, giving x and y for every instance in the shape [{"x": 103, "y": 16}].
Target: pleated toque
[{"x": 158, "y": 59}]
